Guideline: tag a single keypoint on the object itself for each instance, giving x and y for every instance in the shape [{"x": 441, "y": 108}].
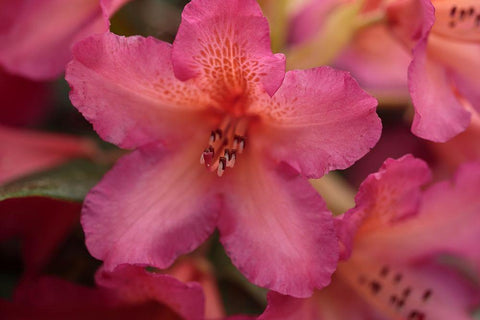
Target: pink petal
[
  {"x": 378, "y": 61},
  {"x": 126, "y": 88},
  {"x": 319, "y": 120},
  {"x": 461, "y": 59},
  {"x": 276, "y": 228},
  {"x": 36, "y": 40},
  {"x": 41, "y": 224},
  {"x": 384, "y": 198},
  {"x": 446, "y": 223},
  {"x": 24, "y": 152},
  {"x": 134, "y": 284},
  {"x": 337, "y": 301},
  {"x": 226, "y": 43},
  {"x": 153, "y": 206},
  {"x": 439, "y": 115}
]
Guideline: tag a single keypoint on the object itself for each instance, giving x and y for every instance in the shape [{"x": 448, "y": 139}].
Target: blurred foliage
[{"x": 70, "y": 181}]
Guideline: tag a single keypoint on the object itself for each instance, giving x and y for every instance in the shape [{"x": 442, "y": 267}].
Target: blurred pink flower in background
[
  {"x": 24, "y": 102},
  {"x": 26, "y": 151},
  {"x": 209, "y": 97},
  {"x": 128, "y": 292},
  {"x": 397, "y": 236},
  {"x": 443, "y": 77},
  {"x": 36, "y": 36}
]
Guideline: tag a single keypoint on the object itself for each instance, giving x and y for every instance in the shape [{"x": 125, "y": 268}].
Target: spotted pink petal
[
  {"x": 154, "y": 205},
  {"x": 126, "y": 88},
  {"x": 135, "y": 285},
  {"x": 279, "y": 237},
  {"x": 446, "y": 223},
  {"x": 226, "y": 43},
  {"x": 319, "y": 120},
  {"x": 439, "y": 115},
  {"x": 384, "y": 198},
  {"x": 36, "y": 36},
  {"x": 23, "y": 152}
]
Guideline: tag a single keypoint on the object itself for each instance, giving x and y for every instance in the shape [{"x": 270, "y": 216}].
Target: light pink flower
[
  {"x": 128, "y": 292},
  {"x": 396, "y": 235},
  {"x": 36, "y": 36},
  {"x": 24, "y": 151},
  {"x": 208, "y": 99},
  {"x": 444, "y": 74}
]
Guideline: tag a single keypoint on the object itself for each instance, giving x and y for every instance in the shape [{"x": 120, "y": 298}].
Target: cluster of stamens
[
  {"x": 463, "y": 14},
  {"x": 224, "y": 145}
]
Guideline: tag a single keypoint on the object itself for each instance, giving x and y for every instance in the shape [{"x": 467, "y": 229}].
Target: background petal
[
  {"x": 226, "y": 43},
  {"x": 153, "y": 206},
  {"x": 439, "y": 115},
  {"x": 319, "y": 120}
]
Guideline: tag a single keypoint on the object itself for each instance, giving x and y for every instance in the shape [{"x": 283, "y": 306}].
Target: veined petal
[
  {"x": 134, "y": 285},
  {"x": 37, "y": 35},
  {"x": 319, "y": 120},
  {"x": 384, "y": 198},
  {"x": 226, "y": 43},
  {"x": 154, "y": 205},
  {"x": 439, "y": 115},
  {"x": 126, "y": 88},
  {"x": 23, "y": 151},
  {"x": 276, "y": 228}
]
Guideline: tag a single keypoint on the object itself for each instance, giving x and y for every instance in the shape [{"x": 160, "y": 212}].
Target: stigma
[{"x": 225, "y": 144}]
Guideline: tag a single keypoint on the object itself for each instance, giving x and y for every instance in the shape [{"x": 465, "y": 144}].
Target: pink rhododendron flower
[
  {"x": 36, "y": 36},
  {"x": 395, "y": 235},
  {"x": 128, "y": 292},
  {"x": 443, "y": 77},
  {"x": 216, "y": 104},
  {"x": 40, "y": 224},
  {"x": 24, "y": 152}
]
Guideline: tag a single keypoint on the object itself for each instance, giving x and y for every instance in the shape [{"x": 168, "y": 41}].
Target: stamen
[{"x": 225, "y": 143}]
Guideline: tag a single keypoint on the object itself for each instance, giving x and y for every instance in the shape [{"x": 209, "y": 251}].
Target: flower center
[
  {"x": 459, "y": 20},
  {"x": 392, "y": 291},
  {"x": 224, "y": 145}
]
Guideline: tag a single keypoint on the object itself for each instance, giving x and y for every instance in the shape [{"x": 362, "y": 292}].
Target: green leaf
[{"x": 70, "y": 181}]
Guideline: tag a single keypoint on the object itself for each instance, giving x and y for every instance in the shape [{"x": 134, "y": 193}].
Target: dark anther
[
  {"x": 393, "y": 299},
  {"x": 471, "y": 11},
  {"x": 398, "y": 278},
  {"x": 453, "y": 11},
  {"x": 375, "y": 287},
  {"x": 462, "y": 14},
  {"x": 219, "y": 132},
  {"x": 452, "y": 24},
  {"x": 400, "y": 303},
  {"x": 223, "y": 162},
  {"x": 407, "y": 292},
  {"x": 416, "y": 315},
  {"x": 213, "y": 136},
  {"x": 477, "y": 20},
  {"x": 427, "y": 294},
  {"x": 384, "y": 271}
]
